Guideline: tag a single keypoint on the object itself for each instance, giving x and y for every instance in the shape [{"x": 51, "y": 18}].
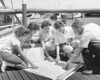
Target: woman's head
[
  {"x": 45, "y": 25},
  {"x": 77, "y": 27},
  {"x": 59, "y": 25},
  {"x": 21, "y": 31},
  {"x": 33, "y": 26}
]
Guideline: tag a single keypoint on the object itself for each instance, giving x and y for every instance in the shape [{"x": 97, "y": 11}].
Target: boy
[{"x": 62, "y": 40}]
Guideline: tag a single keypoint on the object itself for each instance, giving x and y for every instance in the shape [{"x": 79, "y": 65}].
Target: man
[{"x": 89, "y": 46}]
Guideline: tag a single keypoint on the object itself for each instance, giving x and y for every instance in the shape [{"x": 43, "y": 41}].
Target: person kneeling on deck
[
  {"x": 8, "y": 54},
  {"x": 62, "y": 42},
  {"x": 89, "y": 46},
  {"x": 47, "y": 39},
  {"x": 33, "y": 38}
]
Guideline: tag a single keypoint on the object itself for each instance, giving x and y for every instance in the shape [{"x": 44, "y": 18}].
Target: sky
[{"x": 55, "y": 4}]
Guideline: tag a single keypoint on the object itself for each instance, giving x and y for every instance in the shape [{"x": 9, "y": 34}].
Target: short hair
[
  {"x": 53, "y": 17},
  {"x": 33, "y": 26},
  {"x": 21, "y": 31},
  {"x": 77, "y": 24},
  {"x": 45, "y": 24},
  {"x": 58, "y": 24},
  {"x": 63, "y": 16}
]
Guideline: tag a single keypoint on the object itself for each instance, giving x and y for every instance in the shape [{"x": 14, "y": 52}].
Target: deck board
[
  {"x": 31, "y": 75},
  {"x": 4, "y": 76},
  {"x": 98, "y": 76},
  {"x": 24, "y": 75},
  {"x": 11, "y": 75},
  {"x": 45, "y": 78},
  {"x": 17, "y": 75},
  {"x": 39, "y": 77},
  {"x": 1, "y": 77}
]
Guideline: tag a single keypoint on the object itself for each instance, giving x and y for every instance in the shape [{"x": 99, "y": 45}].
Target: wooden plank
[
  {"x": 79, "y": 76},
  {"x": 85, "y": 76},
  {"x": 45, "y": 78},
  {"x": 31, "y": 76},
  {"x": 73, "y": 78},
  {"x": 39, "y": 77},
  {"x": 24, "y": 75},
  {"x": 5, "y": 76},
  {"x": 11, "y": 75},
  {"x": 34, "y": 76},
  {"x": 98, "y": 76},
  {"x": 94, "y": 77},
  {"x": 0, "y": 77},
  {"x": 17, "y": 75}
]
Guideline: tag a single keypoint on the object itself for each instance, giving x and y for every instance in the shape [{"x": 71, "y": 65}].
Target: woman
[
  {"x": 33, "y": 39},
  {"x": 13, "y": 45},
  {"x": 89, "y": 46}
]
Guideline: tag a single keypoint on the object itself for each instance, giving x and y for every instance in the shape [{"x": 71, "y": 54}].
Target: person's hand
[
  {"x": 57, "y": 60},
  {"x": 33, "y": 66},
  {"x": 65, "y": 65},
  {"x": 32, "y": 45},
  {"x": 50, "y": 59}
]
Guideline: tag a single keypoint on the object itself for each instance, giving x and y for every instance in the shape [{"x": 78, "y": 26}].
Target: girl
[
  {"x": 62, "y": 41},
  {"x": 7, "y": 51}
]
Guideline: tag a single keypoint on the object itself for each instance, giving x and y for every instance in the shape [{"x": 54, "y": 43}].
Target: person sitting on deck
[
  {"x": 89, "y": 46},
  {"x": 62, "y": 42},
  {"x": 47, "y": 40},
  {"x": 33, "y": 39},
  {"x": 8, "y": 48}
]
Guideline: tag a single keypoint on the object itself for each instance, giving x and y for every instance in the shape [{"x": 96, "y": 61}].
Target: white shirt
[
  {"x": 91, "y": 32},
  {"x": 61, "y": 38},
  {"x": 9, "y": 43},
  {"x": 69, "y": 33}
]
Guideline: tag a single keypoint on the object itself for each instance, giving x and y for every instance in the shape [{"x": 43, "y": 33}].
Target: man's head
[{"x": 77, "y": 27}]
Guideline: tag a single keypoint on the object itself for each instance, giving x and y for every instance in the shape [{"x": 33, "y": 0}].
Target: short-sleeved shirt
[
  {"x": 47, "y": 37},
  {"x": 9, "y": 43},
  {"x": 61, "y": 38},
  {"x": 36, "y": 36},
  {"x": 91, "y": 33}
]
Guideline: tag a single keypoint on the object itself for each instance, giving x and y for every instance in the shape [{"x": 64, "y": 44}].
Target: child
[
  {"x": 47, "y": 40},
  {"x": 7, "y": 51},
  {"x": 33, "y": 39},
  {"x": 62, "y": 41}
]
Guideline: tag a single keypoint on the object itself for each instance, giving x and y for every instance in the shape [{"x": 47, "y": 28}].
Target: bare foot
[
  {"x": 3, "y": 66},
  {"x": 34, "y": 67}
]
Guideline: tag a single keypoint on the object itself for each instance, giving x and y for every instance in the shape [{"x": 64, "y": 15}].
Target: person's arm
[
  {"x": 25, "y": 57},
  {"x": 74, "y": 56},
  {"x": 58, "y": 56},
  {"x": 43, "y": 45}
]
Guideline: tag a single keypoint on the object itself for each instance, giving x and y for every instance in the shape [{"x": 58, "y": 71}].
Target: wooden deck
[{"x": 14, "y": 74}]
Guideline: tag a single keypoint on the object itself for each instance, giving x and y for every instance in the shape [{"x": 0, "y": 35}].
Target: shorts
[
  {"x": 11, "y": 58},
  {"x": 53, "y": 54}
]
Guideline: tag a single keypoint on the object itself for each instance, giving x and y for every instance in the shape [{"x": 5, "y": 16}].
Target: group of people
[{"x": 58, "y": 41}]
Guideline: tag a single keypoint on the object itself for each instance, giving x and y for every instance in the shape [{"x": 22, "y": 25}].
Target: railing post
[{"x": 24, "y": 12}]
